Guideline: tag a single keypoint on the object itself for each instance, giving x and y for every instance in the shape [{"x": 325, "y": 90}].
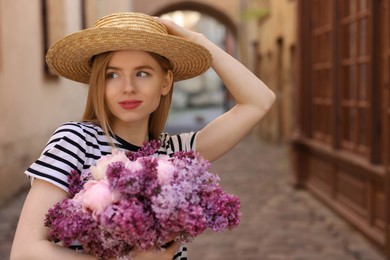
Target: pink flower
[
  {"x": 165, "y": 170},
  {"x": 97, "y": 196},
  {"x": 99, "y": 170},
  {"x": 133, "y": 165}
]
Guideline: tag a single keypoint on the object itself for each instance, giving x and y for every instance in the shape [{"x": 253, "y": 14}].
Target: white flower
[{"x": 165, "y": 170}]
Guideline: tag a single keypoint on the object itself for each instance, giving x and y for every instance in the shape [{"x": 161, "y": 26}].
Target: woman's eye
[
  {"x": 142, "y": 74},
  {"x": 111, "y": 75}
]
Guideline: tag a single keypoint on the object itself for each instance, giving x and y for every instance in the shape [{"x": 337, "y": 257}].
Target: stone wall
[
  {"x": 34, "y": 103},
  {"x": 272, "y": 28}
]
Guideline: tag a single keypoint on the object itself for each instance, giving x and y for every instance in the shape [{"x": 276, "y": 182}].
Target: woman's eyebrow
[
  {"x": 144, "y": 67},
  {"x": 112, "y": 68},
  {"x": 140, "y": 67}
]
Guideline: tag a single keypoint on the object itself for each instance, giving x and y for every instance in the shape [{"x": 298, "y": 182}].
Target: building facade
[
  {"x": 341, "y": 141},
  {"x": 34, "y": 102},
  {"x": 270, "y": 32}
]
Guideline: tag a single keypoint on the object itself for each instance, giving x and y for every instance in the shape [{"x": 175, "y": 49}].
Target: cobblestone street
[{"x": 278, "y": 222}]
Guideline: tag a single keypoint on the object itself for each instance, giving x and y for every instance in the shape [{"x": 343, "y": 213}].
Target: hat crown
[
  {"x": 134, "y": 21},
  {"x": 71, "y": 56}
]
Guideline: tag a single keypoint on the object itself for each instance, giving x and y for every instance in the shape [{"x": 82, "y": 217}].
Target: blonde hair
[{"x": 96, "y": 109}]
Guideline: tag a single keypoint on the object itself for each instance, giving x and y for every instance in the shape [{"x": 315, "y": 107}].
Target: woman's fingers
[
  {"x": 168, "y": 244},
  {"x": 175, "y": 29},
  {"x": 166, "y": 254},
  {"x": 172, "y": 248}
]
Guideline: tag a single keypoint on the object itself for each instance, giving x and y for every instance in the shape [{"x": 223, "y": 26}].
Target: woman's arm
[
  {"x": 253, "y": 98},
  {"x": 31, "y": 237}
]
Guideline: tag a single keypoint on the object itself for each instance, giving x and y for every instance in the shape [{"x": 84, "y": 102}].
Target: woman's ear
[{"x": 168, "y": 83}]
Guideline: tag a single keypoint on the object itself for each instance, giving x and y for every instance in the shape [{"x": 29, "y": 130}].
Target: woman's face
[{"x": 135, "y": 83}]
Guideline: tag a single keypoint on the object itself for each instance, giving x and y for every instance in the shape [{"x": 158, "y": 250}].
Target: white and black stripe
[
  {"x": 181, "y": 254},
  {"x": 77, "y": 145}
]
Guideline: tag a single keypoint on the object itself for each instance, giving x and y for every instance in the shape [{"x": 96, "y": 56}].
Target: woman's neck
[{"x": 132, "y": 133}]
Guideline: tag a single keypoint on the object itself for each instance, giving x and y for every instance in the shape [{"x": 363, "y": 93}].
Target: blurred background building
[
  {"x": 327, "y": 61},
  {"x": 341, "y": 139}
]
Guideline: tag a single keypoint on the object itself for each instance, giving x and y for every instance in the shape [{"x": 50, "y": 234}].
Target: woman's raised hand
[{"x": 177, "y": 30}]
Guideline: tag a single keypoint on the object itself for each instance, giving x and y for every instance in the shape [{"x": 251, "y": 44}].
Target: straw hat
[{"x": 70, "y": 56}]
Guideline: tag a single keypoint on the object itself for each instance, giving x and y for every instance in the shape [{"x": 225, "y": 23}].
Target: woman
[{"x": 130, "y": 61}]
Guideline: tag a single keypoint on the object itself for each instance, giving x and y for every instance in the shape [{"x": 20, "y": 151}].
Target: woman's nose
[{"x": 129, "y": 86}]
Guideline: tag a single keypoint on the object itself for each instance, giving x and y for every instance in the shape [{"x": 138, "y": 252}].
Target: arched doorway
[
  {"x": 199, "y": 100},
  {"x": 208, "y": 10}
]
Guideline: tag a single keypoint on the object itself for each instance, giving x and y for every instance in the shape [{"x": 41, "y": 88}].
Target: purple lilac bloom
[
  {"x": 67, "y": 221},
  {"x": 148, "y": 149},
  {"x": 75, "y": 183},
  {"x": 129, "y": 221},
  {"x": 151, "y": 204}
]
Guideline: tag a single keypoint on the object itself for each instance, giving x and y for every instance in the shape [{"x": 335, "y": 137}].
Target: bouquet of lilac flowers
[{"x": 140, "y": 200}]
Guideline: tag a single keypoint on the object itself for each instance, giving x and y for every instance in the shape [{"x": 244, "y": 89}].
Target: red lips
[{"x": 130, "y": 104}]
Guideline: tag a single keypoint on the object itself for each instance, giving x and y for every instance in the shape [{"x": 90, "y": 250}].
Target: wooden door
[
  {"x": 321, "y": 87},
  {"x": 355, "y": 72},
  {"x": 383, "y": 214}
]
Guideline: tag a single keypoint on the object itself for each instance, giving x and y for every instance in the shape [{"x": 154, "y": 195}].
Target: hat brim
[{"x": 70, "y": 56}]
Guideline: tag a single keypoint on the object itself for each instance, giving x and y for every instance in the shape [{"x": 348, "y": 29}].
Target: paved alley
[{"x": 278, "y": 222}]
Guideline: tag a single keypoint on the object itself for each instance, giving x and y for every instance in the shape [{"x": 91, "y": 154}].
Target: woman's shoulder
[
  {"x": 69, "y": 148},
  {"x": 77, "y": 132},
  {"x": 79, "y": 129},
  {"x": 79, "y": 126}
]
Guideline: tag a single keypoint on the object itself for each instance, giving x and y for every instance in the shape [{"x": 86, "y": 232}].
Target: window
[
  {"x": 53, "y": 19},
  {"x": 340, "y": 87},
  {"x": 385, "y": 73},
  {"x": 321, "y": 65},
  {"x": 354, "y": 70}
]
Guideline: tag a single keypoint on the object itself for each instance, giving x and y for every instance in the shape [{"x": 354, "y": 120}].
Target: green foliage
[{"x": 254, "y": 14}]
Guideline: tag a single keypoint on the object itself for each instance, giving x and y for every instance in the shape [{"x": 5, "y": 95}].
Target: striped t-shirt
[{"x": 77, "y": 145}]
